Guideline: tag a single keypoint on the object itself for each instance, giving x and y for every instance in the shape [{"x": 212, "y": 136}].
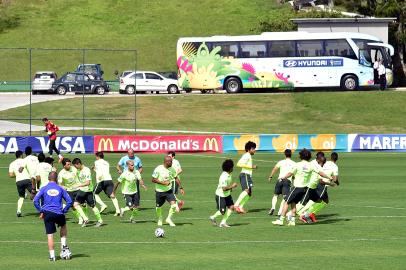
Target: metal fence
[{"x": 77, "y": 112}]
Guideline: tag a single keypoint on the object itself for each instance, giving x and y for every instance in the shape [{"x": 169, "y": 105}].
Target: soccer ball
[
  {"x": 159, "y": 232},
  {"x": 65, "y": 254}
]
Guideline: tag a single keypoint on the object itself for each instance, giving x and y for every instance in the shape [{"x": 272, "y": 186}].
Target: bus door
[{"x": 380, "y": 51}]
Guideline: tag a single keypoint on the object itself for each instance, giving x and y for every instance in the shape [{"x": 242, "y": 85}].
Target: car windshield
[{"x": 125, "y": 73}]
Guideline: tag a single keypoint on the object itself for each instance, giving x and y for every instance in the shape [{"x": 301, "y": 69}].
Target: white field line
[{"x": 162, "y": 241}]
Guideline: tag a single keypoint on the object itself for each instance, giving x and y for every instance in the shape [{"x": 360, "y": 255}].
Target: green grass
[
  {"x": 150, "y": 27},
  {"x": 362, "y": 228},
  {"x": 335, "y": 112}
]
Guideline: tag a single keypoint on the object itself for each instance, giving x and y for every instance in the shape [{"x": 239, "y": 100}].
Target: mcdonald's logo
[
  {"x": 210, "y": 144},
  {"x": 105, "y": 145}
]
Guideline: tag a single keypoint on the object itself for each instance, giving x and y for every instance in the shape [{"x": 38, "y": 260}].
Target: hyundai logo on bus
[{"x": 313, "y": 63}]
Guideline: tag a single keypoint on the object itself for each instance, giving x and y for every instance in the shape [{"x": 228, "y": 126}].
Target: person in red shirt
[{"x": 51, "y": 129}]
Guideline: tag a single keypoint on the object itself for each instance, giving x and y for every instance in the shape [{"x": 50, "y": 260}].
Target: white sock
[
  {"x": 274, "y": 201},
  {"x": 63, "y": 241},
  {"x": 99, "y": 200},
  {"x": 115, "y": 203},
  {"x": 52, "y": 253},
  {"x": 281, "y": 207},
  {"x": 20, "y": 204}
]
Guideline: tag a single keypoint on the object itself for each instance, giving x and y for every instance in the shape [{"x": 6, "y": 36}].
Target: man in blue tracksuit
[{"x": 53, "y": 213}]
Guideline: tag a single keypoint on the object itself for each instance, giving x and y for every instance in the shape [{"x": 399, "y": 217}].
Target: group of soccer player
[{"x": 303, "y": 186}]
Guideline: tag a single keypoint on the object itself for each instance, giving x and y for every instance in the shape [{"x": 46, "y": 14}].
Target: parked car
[
  {"x": 147, "y": 81},
  {"x": 169, "y": 74},
  {"x": 94, "y": 70},
  {"x": 79, "y": 83},
  {"x": 125, "y": 73},
  {"x": 43, "y": 81}
]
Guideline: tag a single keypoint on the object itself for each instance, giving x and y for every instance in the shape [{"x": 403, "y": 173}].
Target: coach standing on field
[
  {"x": 51, "y": 129},
  {"x": 53, "y": 212}
]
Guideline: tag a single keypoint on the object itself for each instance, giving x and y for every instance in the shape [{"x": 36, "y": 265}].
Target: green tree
[
  {"x": 397, "y": 33},
  {"x": 396, "y": 8}
]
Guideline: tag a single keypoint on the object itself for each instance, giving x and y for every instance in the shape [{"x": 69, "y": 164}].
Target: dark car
[
  {"x": 79, "y": 83},
  {"x": 94, "y": 70}
]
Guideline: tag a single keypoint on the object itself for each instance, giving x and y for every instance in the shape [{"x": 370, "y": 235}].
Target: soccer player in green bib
[
  {"x": 104, "y": 182},
  {"x": 68, "y": 179},
  {"x": 302, "y": 172},
  {"x": 224, "y": 201},
  {"x": 44, "y": 167},
  {"x": 128, "y": 180},
  {"x": 315, "y": 205},
  {"x": 163, "y": 177},
  {"x": 85, "y": 193},
  {"x": 245, "y": 163}
]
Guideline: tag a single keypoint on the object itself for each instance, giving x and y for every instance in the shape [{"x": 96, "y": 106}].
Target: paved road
[{"x": 12, "y": 100}]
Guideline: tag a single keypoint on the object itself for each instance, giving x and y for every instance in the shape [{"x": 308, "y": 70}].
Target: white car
[
  {"x": 43, "y": 81},
  {"x": 147, "y": 81}
]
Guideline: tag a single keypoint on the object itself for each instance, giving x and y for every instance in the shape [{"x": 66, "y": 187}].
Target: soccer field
[{"x": 362, "y": 228}]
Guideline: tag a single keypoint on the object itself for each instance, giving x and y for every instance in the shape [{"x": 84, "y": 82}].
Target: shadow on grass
[
  {"x": 239, "y": 224},
  {"x": 181, "y": 223},
  {"x": 30, "y": 214},
  {"x": 256, "y": 210},
  {"x": 334, "y": 220},
  {"x": 79, "y": 256},
  {"x": 186, "y": 209}
]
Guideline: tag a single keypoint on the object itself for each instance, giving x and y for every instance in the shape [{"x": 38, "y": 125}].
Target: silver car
[{"x": 43, "y": 81}]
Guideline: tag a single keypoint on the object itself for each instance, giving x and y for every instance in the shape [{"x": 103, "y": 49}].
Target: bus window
[
  {"x": 339, "y": 47},
  {"x": 253, "y": 49},
  {"x": 228, "y": 49},
  {"x": 309, "y": 48},
  {"x": 282, "y": 49}
]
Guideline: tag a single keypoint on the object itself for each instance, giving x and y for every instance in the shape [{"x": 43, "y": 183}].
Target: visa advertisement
[
  {"x": 279, "y": 142},
  {"x": 159, "y": 144},
  {"x": 65, "y": 144},
  {"x": 377, "y": 142}
]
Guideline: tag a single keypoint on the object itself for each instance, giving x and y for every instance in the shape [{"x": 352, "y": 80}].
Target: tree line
[{"x": 370, "y": 8}]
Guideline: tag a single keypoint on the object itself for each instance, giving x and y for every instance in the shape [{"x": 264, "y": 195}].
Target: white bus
[{"x": 282, "y": 60}]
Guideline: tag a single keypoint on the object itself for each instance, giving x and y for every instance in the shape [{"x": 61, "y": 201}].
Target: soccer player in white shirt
[
  {"x": 18, "y": 171},
  {"x": 245, "y": 163},
  {"x": 104, "y": 183},
  {"x": 31, "y": 163},
  {"x": 282, "y": 186}
]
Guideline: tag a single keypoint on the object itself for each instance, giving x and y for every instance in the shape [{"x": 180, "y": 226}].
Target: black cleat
[{"x": 271, "y": 212}]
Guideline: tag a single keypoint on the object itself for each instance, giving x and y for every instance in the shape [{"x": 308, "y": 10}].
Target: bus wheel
[
  {"x": 233, "y": 85},
  {"x": 349, "y": 82}
]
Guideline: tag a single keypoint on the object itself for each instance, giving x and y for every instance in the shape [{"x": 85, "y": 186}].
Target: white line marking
[
  {"x": 373, "y": 206},
  {"x": 162, "y": 241}
]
